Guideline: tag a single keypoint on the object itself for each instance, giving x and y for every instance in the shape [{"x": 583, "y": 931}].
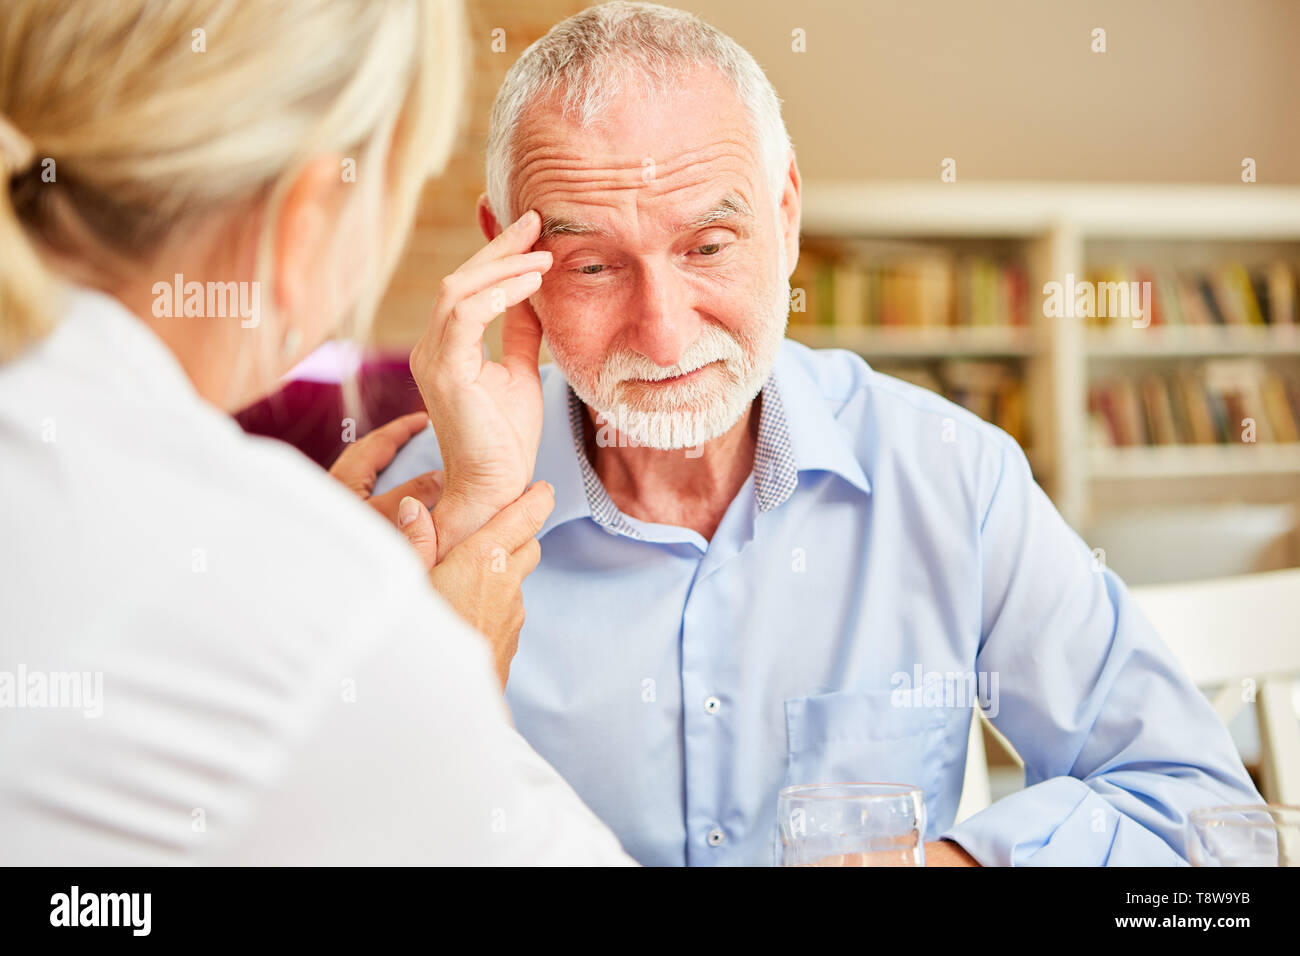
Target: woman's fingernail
[
  {"x": 533, "y": 277},
  {"x": 407, "y": 511}
]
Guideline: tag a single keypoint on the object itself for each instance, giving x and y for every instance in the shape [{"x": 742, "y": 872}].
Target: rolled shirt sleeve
[{"x": 1118, "y": 743}]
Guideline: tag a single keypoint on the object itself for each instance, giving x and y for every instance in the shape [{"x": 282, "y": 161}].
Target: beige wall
[
  {"x": 1011, "y": 89},
  {"x": 446, "y": 231},
  {"x": 1008, "y": 88}
]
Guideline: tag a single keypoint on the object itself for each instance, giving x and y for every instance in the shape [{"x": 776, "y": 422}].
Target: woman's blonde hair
[{"x": 123, "y": 121}]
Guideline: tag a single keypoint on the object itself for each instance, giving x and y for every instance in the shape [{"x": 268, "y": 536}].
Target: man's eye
[
  {"x": 710, "y": 249},
  {"x": 592, "y": 269}
]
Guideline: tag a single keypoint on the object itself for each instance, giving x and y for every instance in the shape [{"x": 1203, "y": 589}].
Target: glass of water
[
  {"x": 852, "y": 824},
  {"x": 1266, "y": 834}
]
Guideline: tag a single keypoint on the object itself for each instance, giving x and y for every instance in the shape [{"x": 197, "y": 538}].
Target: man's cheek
[
  {"x": 554, "y": 296},
  {"x": 559, "y": 302},
  {"x": 562, "y": 324},
  {"x": 548, "y": 315}
]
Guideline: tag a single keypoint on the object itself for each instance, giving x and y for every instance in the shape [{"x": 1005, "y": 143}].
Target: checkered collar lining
[{"x": 775, "y": 471}]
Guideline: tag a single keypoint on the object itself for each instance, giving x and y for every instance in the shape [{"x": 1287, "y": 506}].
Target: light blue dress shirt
[{"x": 889, "y": 561}]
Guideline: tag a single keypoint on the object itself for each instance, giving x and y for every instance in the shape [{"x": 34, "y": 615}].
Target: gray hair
[{"x": 587, "y": 58}]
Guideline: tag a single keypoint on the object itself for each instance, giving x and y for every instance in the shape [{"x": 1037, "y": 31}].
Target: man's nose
[{"x": 665, "y": 324}]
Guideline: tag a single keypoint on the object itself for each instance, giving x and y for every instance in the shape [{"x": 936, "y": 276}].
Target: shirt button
[
  {"x": 716, "y": 837},
  {"x": 712, "y": 705}
]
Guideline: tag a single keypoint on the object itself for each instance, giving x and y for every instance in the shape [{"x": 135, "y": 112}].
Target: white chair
[
  {"x": 1241, "y": 633},
  {"x": 976, "y": 793}
]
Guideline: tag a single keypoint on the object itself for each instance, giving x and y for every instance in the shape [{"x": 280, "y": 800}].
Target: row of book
[
  {"x": 1228, "y": 294},
  {"x": 891, "y": 283},
  {"x": 878, "y": 283},
  {"x": 1221, "y": 401},
  {"x": 992, "y": 390}
]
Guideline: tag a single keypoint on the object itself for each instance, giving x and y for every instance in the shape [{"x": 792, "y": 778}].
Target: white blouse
[{"x": 210, "y": 652}]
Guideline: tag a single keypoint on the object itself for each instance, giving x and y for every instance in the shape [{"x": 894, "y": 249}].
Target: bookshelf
[{"x": 1057, "y": 230}]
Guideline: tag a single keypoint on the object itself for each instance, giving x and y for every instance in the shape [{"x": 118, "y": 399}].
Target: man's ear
[
  {"x": 487, "y": 221},
  {"x": 791, "y": 214}
]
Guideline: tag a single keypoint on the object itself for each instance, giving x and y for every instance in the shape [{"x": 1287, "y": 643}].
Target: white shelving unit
[
  {"x": 1192, "y": 342},
  {"x": 1194, "y": 461},
  {"x": 1057, "y": 224},
  {"x": 919, "y": 343}
]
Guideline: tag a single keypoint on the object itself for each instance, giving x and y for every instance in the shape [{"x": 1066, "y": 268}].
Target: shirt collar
[
  {"x": 600, "y": 506},
  {"x": 558, "y": 455},
  {"x": 817, "y": 439},
  {"x": 797, "y": 432}
]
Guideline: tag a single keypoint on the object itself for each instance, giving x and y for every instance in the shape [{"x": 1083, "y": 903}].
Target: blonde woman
[{"x": 209, "y": 651}]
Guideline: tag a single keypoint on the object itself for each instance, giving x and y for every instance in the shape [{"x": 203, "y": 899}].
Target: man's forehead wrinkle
[
  {"x": 560, "y": 156},
  {"x": 546, "y": 158},
  {"x": 570, "y": 181},
  {"x": 732, "y": 204},
  {"x": 562, "y": 222}
]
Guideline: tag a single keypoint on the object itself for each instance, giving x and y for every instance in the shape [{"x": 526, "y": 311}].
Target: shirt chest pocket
[{"x": 864, "y": 736}]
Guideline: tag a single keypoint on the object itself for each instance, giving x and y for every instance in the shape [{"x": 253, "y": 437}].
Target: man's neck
[{"x": 690, "y": 487}]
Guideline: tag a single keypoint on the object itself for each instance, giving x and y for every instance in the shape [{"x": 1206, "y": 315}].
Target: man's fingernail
[
  {"x": 551, "y": 487},
  {"x": 407, "y": 511}
]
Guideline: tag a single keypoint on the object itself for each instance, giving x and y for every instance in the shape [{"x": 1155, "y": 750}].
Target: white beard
[{"x": 688, "y": 414}]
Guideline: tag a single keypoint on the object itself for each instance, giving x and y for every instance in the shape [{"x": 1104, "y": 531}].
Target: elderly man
[{"x": 761, "y": 556}]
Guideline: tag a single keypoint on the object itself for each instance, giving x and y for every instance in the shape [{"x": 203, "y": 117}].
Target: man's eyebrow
[
  {"x": 553, "y": 226},
  {"x": 730, "y": 206}
]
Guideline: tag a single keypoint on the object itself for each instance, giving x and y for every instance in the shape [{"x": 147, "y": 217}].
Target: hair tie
[{"x": 16, "y": 150}]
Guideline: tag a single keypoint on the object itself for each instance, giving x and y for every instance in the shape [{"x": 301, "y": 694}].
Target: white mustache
[{"x": 713, "y": 345}]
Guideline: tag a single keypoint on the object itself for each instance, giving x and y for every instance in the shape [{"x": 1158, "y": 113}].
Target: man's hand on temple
[{"x": 487, "y": 415}]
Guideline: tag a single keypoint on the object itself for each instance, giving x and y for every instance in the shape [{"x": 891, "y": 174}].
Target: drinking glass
[
  {"x": 852, "y": 824},
  {"x": 1265, "y": 834}
]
